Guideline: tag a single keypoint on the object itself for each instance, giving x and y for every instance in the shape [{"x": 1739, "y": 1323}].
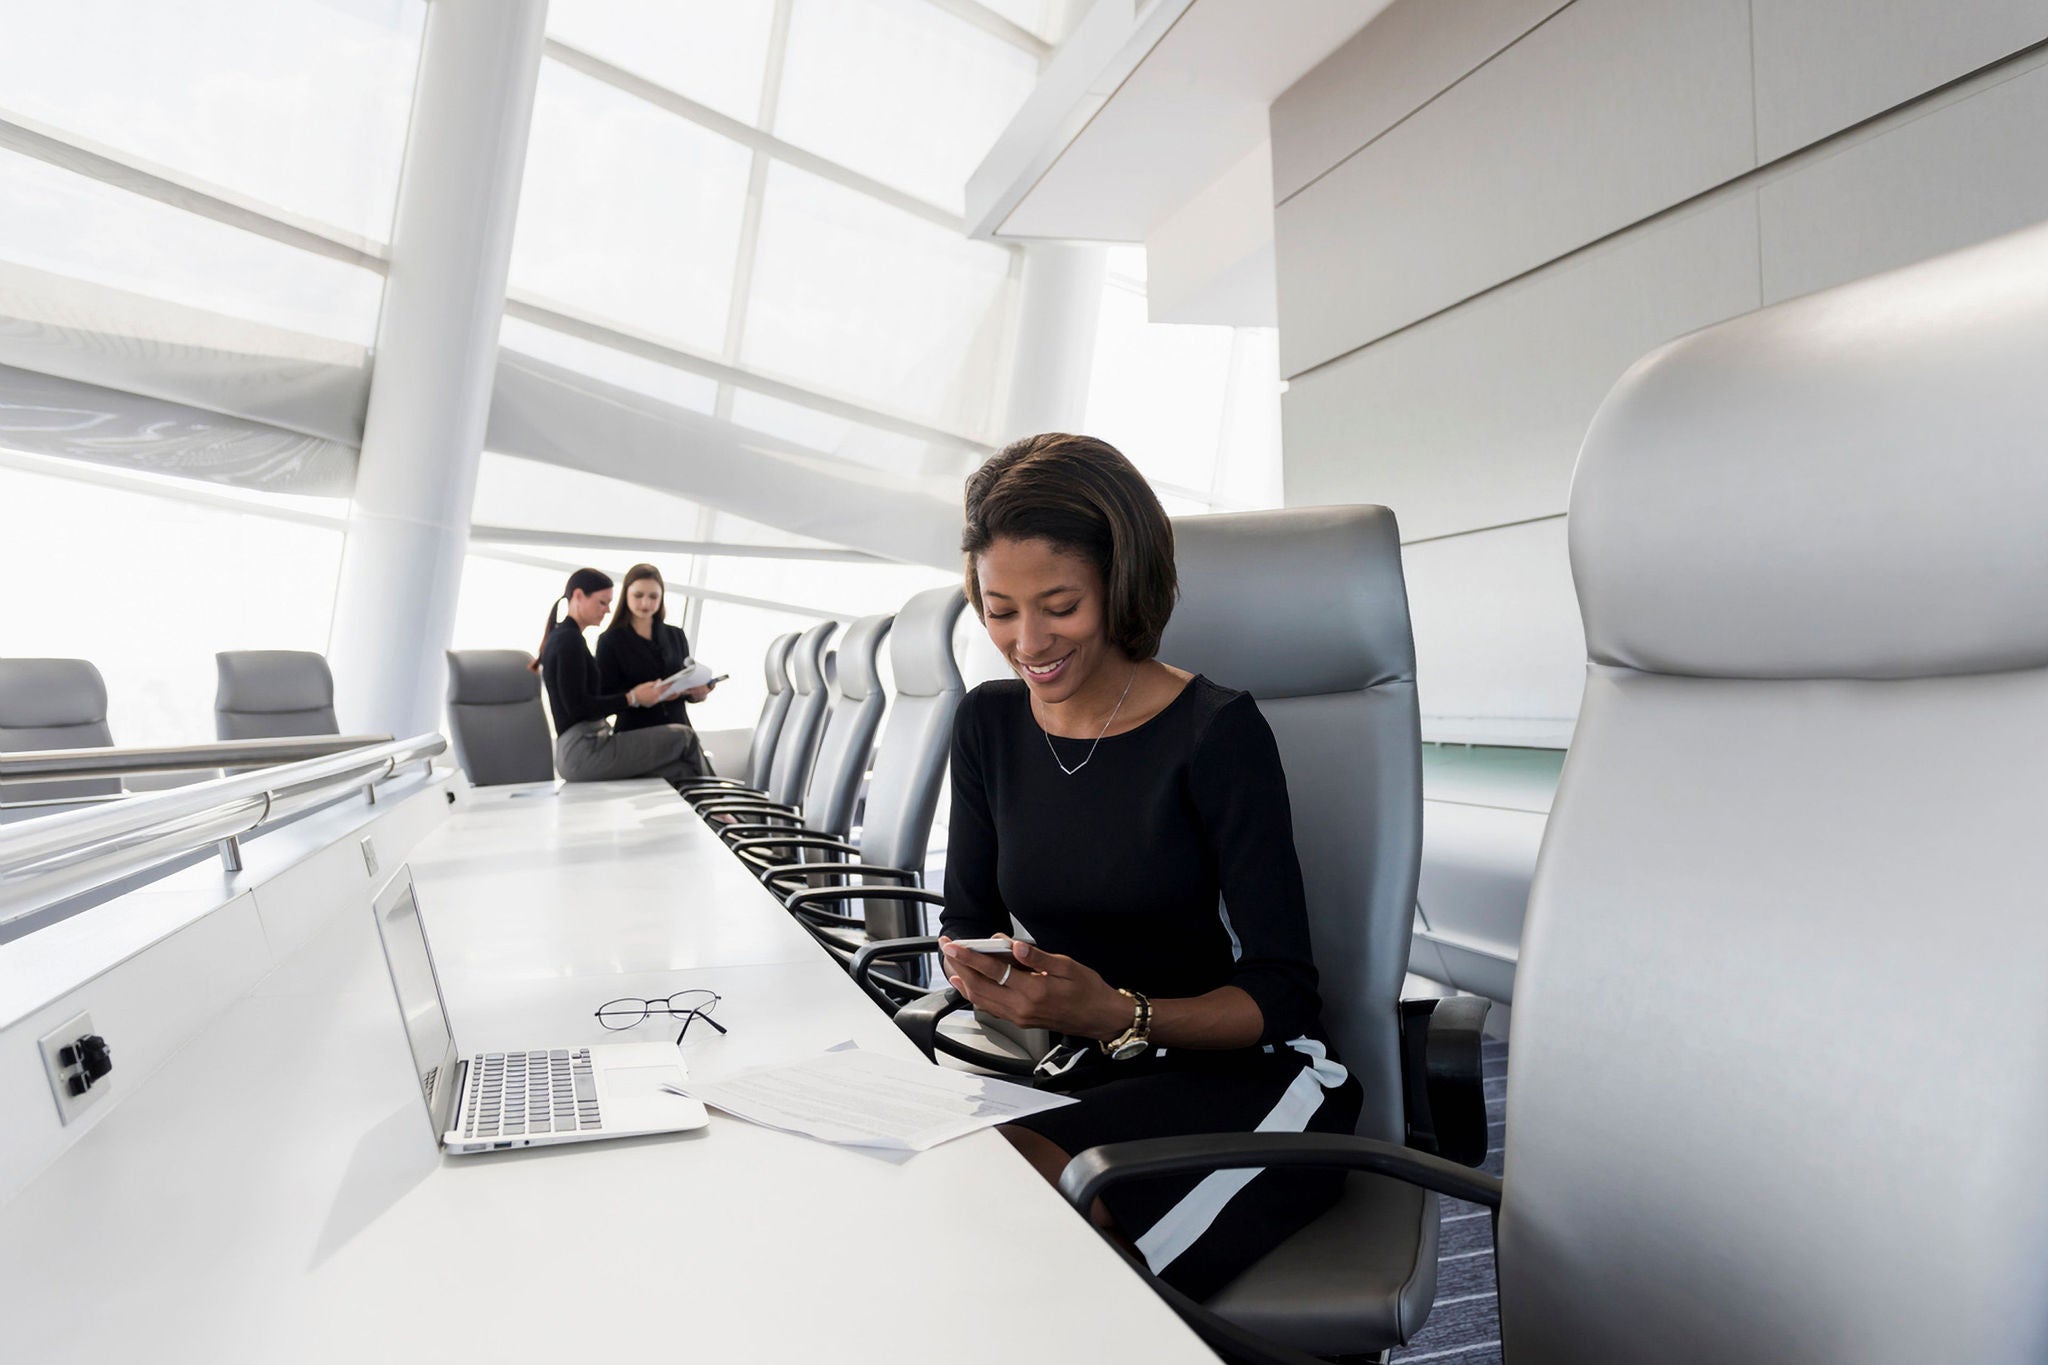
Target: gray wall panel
[
  {"x": 1822, "y": 65},
  {"x": 1497, "y": 638},
  {"x": 1971, "y": 169},
  {"x": 1402, "y": 60},
  {"x": 1474, "y": 418},
  {"x": 1610, "y": 111}
]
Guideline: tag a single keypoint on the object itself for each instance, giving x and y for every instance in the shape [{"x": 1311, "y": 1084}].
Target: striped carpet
[{"x": 1464, "y": 1326}]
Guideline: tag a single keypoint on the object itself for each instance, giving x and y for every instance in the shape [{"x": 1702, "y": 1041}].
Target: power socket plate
[{"x": 69, "y": 1106}]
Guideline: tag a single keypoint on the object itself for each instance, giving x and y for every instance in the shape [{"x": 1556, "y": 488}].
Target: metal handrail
[
  {"x": 45, "y": 765},
  {"x": 47, "y": 860}
]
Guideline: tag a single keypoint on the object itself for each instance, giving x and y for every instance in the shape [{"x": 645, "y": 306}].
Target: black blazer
[{"x": 624, "y": 661}]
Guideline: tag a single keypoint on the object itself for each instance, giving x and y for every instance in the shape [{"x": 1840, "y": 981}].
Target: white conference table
[{"x": 273, "y": 1194}]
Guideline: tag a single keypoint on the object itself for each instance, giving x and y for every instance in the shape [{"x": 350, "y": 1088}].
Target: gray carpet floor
[{"x": 1464, "y": 1326}]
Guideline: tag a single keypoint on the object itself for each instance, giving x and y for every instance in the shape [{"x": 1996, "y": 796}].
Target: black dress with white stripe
[{"x": 1167, "y": 864}]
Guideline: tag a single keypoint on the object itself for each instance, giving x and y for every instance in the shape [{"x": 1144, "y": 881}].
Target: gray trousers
[{"x": 593, "y": 752}]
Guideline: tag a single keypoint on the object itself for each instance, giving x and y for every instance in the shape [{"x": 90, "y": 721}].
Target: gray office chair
[
  {"x": 774, "y": 706},
  {"x": 767, "y": 726},
  {"x": 495, "y": 718},
  {"x": 264, "y": 693},
  {"x": 910, "y": 766},
  {"x": 852, "y": 715},
  {"x": 54, "y": 704},
  {"x": 796, "y": 741},
  {"x": 1766, "y": 1101}
]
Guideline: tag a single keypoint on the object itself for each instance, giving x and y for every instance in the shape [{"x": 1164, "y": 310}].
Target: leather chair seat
[{"x": 1365, "y": 1272}]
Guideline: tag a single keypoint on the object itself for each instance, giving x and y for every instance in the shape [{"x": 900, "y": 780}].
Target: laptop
[{"x": 491, "y": 1101}]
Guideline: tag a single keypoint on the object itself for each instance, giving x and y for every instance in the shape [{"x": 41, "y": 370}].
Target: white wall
[{"x": 1486, "y": 211}]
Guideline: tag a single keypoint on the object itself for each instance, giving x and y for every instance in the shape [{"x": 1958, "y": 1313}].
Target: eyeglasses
[{"x": 627, "y": 1011}]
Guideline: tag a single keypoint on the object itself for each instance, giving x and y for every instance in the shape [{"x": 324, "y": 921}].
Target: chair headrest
[
  {"x": 267, "y": 681},
  {"x": 1292, "y": 603},
  {"x": 775, "y": 664},
  {"x": 807, "y": 658},
  {"x": 921, "y": 644},
  {"x": 45, "y": 693},
  {"x": 860, "y": 654},
  {"x": 490, "y": 677},
  {"x": 1909, "y": 406}
]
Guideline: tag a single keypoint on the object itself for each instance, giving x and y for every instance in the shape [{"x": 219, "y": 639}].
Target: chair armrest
[
  {"x": 815, "y": 896},
  {"x": 864, "y": 962},
  {"x": 1098, "y": 1168},
  {"x": 759, "y": 832},
  {"x": 903, "y": 876},
  {"x": 1441, "y": 1080},
  {"x": 716, "y": 787},
  {"x": 743, "y": 837},
  {"x": 700, "y": 783},
  {"x": 746, "y": 805}
]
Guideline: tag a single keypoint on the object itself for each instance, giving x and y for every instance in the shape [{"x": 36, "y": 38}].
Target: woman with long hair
[
  {"x": 641, "y": 645},
  {"x": 587, "y": 747}
]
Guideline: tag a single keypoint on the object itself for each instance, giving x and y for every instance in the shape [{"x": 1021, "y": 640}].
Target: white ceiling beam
[
  {"x": 138, "y": 176},
  {"x": 988, "y": 21},
  {"x": 510, "y": 535},
  {"x": 551, "y": 314}
]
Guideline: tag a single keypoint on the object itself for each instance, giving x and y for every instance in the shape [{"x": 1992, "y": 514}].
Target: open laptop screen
[{"x": 419, "y": 997}]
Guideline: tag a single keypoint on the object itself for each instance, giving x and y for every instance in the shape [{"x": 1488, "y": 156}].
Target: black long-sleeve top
[
  {"x": 624, "y": 661},
  {"x": 1167, "y": 863},
  {"x": 574, "y": 692}
]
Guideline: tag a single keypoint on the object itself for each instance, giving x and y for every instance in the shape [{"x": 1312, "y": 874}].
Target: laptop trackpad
[{"x": 640, "y": 1082}]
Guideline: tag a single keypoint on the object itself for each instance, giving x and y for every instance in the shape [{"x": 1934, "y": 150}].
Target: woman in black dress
[
  {"x": 641, "y": 646},
  {"x": 1133, "y": 820}
]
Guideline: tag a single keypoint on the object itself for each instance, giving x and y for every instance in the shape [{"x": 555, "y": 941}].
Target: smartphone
[{"x": 998, "y": 947}]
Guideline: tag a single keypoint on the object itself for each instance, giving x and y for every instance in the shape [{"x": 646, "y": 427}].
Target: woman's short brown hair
[{"x": 1083, "y": 496}]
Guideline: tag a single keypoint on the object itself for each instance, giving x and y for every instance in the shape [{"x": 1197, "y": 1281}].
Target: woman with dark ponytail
[{"x": 587, "y": 749}]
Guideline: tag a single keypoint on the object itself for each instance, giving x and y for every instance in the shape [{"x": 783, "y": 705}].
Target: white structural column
[
  {"x": 437, "y": 342},
  {"x": 1059, "y": 308}
]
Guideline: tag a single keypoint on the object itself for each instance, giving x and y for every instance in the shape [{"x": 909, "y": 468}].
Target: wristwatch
[{"x": 1133, "y": 1041}]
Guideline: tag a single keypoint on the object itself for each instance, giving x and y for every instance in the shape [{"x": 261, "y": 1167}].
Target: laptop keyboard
[{"x": 514, "y": 1094}]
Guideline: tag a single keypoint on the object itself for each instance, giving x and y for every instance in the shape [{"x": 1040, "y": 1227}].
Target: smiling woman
[{"x": 1133, "y": 819}]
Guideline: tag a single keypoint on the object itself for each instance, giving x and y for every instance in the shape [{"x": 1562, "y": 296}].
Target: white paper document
[
  {"x": 863, "y": 1099},
  {"x": 692, "y": 674}
]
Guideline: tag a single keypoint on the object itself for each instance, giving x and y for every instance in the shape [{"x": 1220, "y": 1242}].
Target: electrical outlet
[
  {"x": 370, "y": 855},
  {"x": 77, "y": 1061}
]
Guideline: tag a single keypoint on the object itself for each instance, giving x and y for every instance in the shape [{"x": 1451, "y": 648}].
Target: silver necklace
[{"x": 1098, "y": 734}]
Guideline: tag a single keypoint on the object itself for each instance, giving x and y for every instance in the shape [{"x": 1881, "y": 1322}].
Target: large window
[
  {"x": 900, "y": 90},
  {"x": 628, "y": 212},
  {"x": 300, "y": 105},
  {"x": 1197, "y": 408},
  {"x": 148, "y": 577}
]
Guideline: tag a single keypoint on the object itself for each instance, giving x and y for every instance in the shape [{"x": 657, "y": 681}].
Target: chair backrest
[
  {"x": 774, "y": 706},
  {"x": 851, "y": 719},
  {"x": 796, "y": 745},
  {"x": 264, "y": 693},
  {"x": 53, "y": 704},
  {"x": 1306, "y": 609},
  {"x": 495, "y": 718},
  {"x": 910, "y": 761},
  {"x": 1779, "y": 1051}
]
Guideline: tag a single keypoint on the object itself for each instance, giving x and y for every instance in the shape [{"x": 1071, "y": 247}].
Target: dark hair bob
[{"x": 1083, "y": 496}]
